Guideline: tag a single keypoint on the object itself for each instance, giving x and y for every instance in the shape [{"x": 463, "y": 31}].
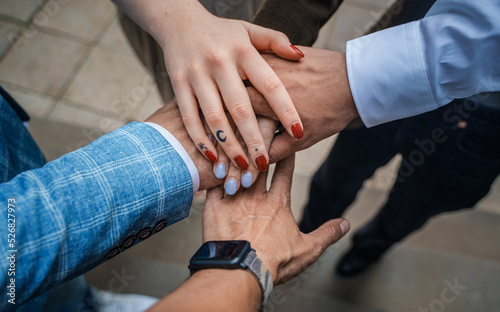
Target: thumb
[
  {"x": 264, "y": 39},
  {"x": 331, "y": 232},
  {"x": 282, "y": 146}
]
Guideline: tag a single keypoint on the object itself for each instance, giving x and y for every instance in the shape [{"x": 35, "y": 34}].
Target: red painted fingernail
[
  {"x": 240, "y": 161},
  {"x": 261, "y": 163},
  {"x": 210, "y": 156},
  {"x": 297, "y": 131},
  {"x": 296, "y": 50}
]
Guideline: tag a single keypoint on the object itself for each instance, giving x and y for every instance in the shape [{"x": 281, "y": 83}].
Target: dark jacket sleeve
[{"x": 300, "y": 20}]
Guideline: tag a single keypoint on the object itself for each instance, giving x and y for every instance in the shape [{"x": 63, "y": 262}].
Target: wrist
[
  {"x": 241, "y": 280},
  {"x": 233, "y": 255},
  {"x": 169, "y": 118},
  {"x": 161, "y": 19},
  {"x": 352, "y": 111},
  {"x": 174, "y": 21},
  {"x": 215, "y": 290}
]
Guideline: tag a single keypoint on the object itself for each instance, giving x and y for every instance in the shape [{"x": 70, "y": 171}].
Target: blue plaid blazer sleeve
[{"x": 89, "y": 205}]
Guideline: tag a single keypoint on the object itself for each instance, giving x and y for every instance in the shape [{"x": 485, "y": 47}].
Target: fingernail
[
  {"x": 296, "y": 50},
  {"x": 297, "y": 131},
  {"x": 241, "y": 162},
  {"x": 261, "y": 163},
  {"x": 247, "y": 180},
  {"x": 231, "y": 186},
  {"x": 220, "y": 170},
  {"x": 211, "y": 156},
  {"x": 345, "y": 226}
]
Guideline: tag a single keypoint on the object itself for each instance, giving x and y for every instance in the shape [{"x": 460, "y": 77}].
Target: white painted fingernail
[
  {"x": 344, "y": 226},
  {"x": 220, "y": 171}
]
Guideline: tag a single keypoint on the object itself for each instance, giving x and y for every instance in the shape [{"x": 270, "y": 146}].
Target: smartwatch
[{"x": 232, "y": 255}]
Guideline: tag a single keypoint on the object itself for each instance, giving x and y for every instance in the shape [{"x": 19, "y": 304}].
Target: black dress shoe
[{"x": 352, "y": 264}]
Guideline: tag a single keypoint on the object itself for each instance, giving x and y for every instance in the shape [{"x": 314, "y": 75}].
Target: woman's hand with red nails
[{"x": 207, "y": 59}]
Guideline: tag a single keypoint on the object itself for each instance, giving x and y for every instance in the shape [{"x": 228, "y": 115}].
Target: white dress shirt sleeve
[
  {"x": 454, "y": 52},
  {"x": 181, "y": 151}
]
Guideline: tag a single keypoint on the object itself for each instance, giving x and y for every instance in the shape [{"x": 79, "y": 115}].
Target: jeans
[{"x": 450, "y": 158}]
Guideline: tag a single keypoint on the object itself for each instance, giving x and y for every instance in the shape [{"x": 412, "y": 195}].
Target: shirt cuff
[
  {"x": 387, "y": 75},
  {"x": 195, "y": 176}
]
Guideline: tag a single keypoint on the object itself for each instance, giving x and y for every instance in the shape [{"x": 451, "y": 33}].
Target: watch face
[{"x": 223, "y": 254}]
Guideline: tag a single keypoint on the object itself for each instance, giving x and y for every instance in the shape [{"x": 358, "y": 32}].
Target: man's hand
[
  {"x": 264, "y": 218},
  {"x": 320, "y": 90}
]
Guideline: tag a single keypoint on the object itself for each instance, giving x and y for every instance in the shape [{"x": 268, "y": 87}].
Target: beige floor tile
[
  {"x": 67, "y": 113},
  {"x": 410, "y": 279},
  {"x": 21, "y": 10},
  {"x": 56, "y": 139},
  {"x": 37, "y": 105},
  {"x": 151, "y": 278},
  {"x": 309, "y": 160},
  {"x": 491, "y": 203},
  {"x": 111, "y": 82},
  {"x": 384, "y": 177},
  {"x": 446, "y": 233},
  {"x": 82, "y": 18},
  {"x": 42, "y": 63},
  {"x": 8, "y": 35},
  {"x": 152, "y": 104},
  {"x": 115, "y": 40}
]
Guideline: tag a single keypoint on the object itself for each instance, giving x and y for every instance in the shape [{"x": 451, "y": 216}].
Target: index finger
[
  {"x": 283, "y": 175},
  {"x": 265, "y": 80}
]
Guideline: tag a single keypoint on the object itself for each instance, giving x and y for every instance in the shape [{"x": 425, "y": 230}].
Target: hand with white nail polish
[
  {"x": 169, "y": 117},
  {"x": 264, "y": 218},
  {"x": 220, "y": 170},
  {"x": 247, "y": 179},
  {"x": 235, "y": 177}
]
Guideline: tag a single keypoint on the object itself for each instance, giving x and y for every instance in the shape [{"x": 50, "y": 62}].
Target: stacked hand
[
  {"x": 324, "y": 110},
  {"x": 234, "y": 176},
  {"x": 211, "y": 175},
  {"x": 264, "y": 218},
  {"x": 208, "y": 58}
]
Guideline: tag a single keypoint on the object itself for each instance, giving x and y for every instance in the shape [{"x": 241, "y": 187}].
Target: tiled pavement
[{"x": 68, "y": 63}]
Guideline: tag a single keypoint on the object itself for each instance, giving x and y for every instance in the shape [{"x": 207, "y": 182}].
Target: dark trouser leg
[
  {"x": 450, "y": 173},
  {"x": 354, "y": 157}
]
